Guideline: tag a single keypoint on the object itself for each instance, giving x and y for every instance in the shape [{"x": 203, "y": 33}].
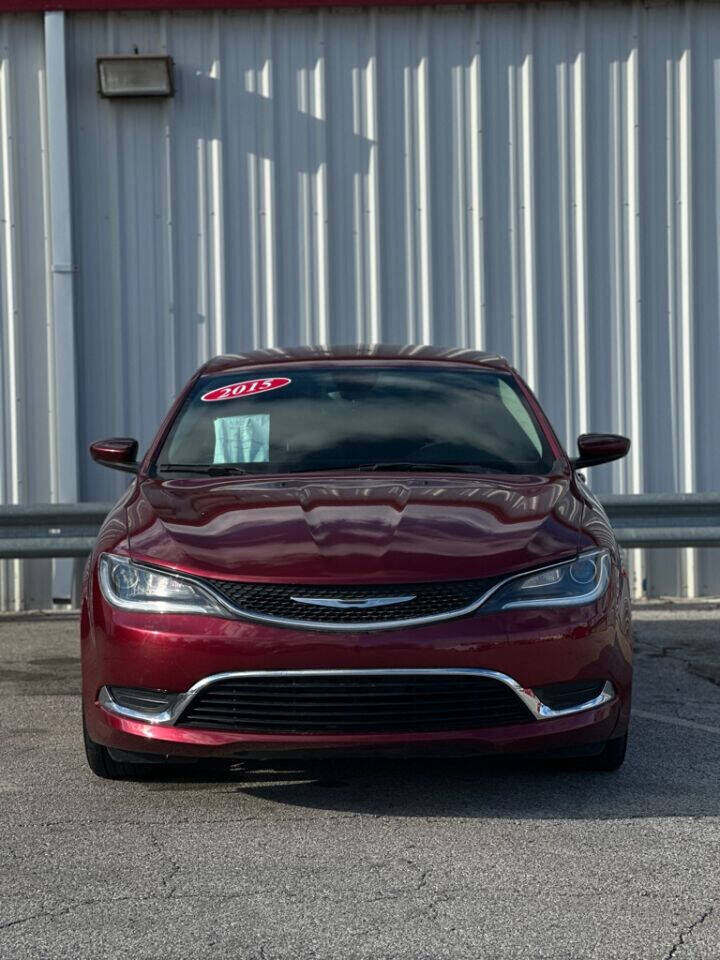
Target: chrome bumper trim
[{"x": 536, "y": 707}]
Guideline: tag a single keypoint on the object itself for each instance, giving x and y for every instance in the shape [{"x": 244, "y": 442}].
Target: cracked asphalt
[{"x": 343, "y": 861}]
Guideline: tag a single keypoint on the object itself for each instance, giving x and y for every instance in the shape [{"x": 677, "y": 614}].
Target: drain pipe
[{"x": 63, "y": 399}]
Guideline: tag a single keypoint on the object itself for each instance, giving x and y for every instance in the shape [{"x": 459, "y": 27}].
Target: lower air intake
[{"x": 340, "y": 703}]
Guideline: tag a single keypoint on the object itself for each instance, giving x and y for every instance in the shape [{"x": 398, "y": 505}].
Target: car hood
[{"x": 350, "y": 530}]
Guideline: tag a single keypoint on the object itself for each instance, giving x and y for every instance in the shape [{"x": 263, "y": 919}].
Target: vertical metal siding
[
  {"x": 26, "y": 436},
  {"x": 539, "y": 180}
]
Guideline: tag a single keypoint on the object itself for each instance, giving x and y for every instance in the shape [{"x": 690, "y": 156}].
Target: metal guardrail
[
  {"x": 639, "y": 520},
  {"x": 50, "y": 530},
  {"x": 665, "y": 519}
]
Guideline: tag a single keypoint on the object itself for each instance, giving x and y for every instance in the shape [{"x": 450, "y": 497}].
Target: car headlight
[
  {"x": 133, "y": 587},
  {"x": 568, "y": 584}
]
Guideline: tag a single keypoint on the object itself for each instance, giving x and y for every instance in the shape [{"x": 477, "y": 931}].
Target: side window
[{"x": 514, "y": 405}]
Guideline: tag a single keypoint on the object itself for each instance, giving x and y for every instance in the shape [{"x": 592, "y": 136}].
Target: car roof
[{"x": 276, "y": 355}]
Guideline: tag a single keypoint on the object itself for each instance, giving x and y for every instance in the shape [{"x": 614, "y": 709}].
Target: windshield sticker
[
  {"x": 242, "y": 439},
  {"x": 246, "y": 388}
]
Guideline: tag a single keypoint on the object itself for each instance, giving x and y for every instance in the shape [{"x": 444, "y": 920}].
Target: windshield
[{"x": 361, "y": 416}]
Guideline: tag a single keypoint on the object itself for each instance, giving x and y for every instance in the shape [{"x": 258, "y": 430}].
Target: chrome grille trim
[
  {"x": 236, "y": 613},
  {"x": 536, "y": 707},
  {"x": 367, "y": 603},
  {"x": 359, "y": 626}
]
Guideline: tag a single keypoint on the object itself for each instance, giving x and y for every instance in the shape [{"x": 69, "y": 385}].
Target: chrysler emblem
[{"x": 364, "y": 603}]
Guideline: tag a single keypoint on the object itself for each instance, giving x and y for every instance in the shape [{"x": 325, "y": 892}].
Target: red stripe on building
[{"x": 101, "y": 6}]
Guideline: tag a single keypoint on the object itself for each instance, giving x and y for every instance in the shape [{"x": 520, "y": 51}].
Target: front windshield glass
[{"x": 355, "y": 416}]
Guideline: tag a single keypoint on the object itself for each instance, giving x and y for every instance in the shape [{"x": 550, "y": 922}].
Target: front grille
[
  {"x": 274, "y": 600},
  {"x": 563, "y": 696},
  {"x": 345, "y": 703}
]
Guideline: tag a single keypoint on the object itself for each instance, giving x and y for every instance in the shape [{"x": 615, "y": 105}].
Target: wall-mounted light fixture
[{"x": 135, "y": 76}]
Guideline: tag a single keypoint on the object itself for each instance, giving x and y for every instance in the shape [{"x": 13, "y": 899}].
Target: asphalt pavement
[{"x": 381, "y": 860}]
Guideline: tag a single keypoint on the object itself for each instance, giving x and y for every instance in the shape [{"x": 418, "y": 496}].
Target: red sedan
[{"x": 361, "y": 550}]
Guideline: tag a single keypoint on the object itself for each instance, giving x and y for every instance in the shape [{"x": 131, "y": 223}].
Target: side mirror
[
  {"x": 595, "y": 448},
  {"x": 119, "y": 453}
]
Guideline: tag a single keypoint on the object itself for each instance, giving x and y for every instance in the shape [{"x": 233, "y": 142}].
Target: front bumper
[
  {"x": 529, "y": 648},
  {"x": 549, "y": 727},
  {"x": 575, "y": 731},
  {"x": 177, "y": 703}
]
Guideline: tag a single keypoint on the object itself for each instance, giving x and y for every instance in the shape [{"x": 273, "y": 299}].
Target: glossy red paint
[
  {"x": 340, "y": 528},
  {"x": 532, "y": 646},
  {"x": 118, "y": 452},
  {"x": 600, "y": 448},
  {"x": 576, "y": 731}
]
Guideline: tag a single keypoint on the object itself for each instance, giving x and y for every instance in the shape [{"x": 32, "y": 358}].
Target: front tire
[
  {"x": 103, "y": 765},
  {"x": 611, "y": 758}
]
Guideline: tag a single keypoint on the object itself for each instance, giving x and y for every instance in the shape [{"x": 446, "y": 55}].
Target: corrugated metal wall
[
  {"x": 539, "y": 180},
  {"x": 27, "y": 458}
]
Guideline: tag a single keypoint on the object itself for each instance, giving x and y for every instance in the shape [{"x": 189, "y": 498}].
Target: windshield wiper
[
  {"x": 438, "y": 467},
  {"x": 208, "y": 470}
]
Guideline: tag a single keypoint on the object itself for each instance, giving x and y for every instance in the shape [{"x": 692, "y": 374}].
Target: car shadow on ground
[
  {"x": 672, "y": 767},
  {"x": 669, "y": 772}
]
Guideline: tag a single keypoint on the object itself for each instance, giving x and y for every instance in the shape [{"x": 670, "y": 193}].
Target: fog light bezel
[{"x": 111, "y": 698}]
